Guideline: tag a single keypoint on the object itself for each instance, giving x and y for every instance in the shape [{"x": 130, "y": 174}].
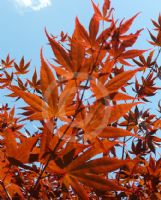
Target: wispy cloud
[{"x": 34, "y": 5}]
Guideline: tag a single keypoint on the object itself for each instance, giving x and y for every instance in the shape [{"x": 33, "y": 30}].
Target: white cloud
[{"x": 34, "y": 5}]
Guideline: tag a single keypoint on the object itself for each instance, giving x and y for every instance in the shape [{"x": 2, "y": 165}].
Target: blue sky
[{"x": 22, "y": 22}]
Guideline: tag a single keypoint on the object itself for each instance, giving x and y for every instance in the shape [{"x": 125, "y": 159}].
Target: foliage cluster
[{"x": 93, "y": 139}]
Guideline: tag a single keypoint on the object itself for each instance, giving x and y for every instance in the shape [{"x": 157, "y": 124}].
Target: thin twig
[{"x": 4, "y": 188}]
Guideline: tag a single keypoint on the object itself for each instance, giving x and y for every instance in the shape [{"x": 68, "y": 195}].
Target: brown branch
[{"x": 4, "y": 188}]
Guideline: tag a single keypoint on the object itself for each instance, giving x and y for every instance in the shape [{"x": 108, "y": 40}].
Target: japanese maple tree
[{"x": 93, "y": 140}]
